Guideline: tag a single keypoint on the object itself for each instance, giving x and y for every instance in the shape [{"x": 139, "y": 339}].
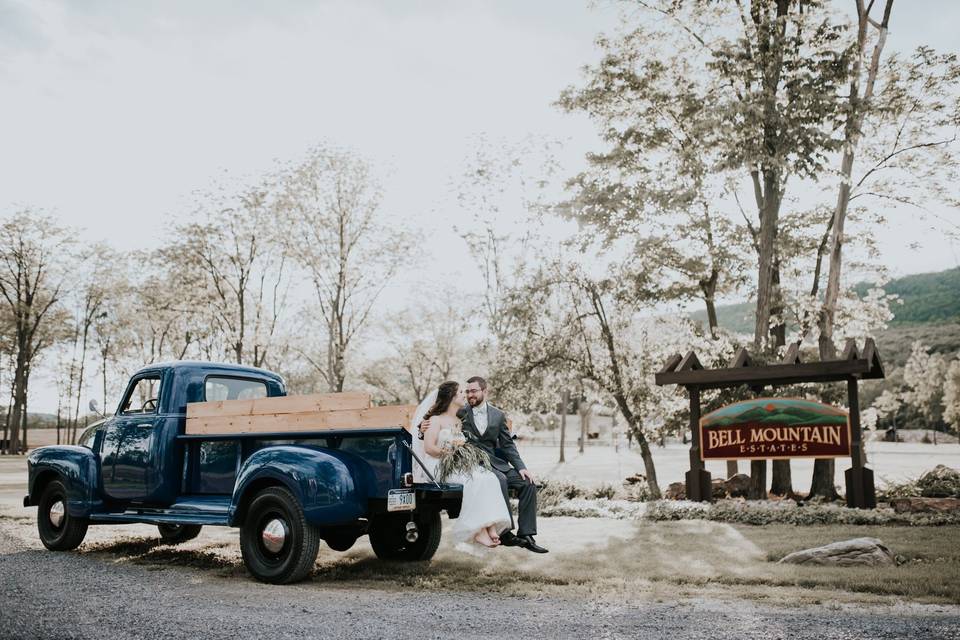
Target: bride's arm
[{"x": 430, "y": 441}]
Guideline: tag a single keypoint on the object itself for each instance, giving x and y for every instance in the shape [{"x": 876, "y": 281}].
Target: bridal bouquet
[{"x": 462, "y": 458}]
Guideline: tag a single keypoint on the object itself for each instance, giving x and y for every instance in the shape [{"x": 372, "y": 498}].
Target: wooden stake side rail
[
  {"x": 279, "y": 404},
  {"x": 294, "y": 414}
]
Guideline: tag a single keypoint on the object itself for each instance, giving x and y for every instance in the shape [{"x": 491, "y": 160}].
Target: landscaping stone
[
  {"x": 940, "y": 482},
  {"x": 848, "y": 553},
  {"x": 920, "y": 505},
  {"x": 676, "y": 491},
  {"x": 738, "y": 485}
]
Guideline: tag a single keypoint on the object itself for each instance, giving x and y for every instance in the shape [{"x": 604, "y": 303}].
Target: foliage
[{"x": 761, "y": 513}]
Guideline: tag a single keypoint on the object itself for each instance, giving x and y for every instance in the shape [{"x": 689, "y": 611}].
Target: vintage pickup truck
[{"x": 285, "y": 490}]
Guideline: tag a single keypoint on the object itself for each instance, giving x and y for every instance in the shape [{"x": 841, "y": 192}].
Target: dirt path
[{"x": 134, "y": 588}]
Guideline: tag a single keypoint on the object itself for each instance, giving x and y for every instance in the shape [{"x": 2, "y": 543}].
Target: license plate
[{"x": 401, "y": 500}]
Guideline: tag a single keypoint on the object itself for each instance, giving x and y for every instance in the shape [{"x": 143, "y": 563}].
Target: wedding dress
[{"x": 483, "y": 504}]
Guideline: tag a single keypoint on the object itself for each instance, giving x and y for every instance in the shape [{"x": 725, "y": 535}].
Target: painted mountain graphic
[{"x": 776, "y": 411}]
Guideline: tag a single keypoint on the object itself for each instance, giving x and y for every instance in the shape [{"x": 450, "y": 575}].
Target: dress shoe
[
  {"x": 508, "y": 539},
  {"x": 528, "y": 543}
]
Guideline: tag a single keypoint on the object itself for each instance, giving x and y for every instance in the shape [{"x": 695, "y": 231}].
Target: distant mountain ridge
[{"x": 927, "y": 298}]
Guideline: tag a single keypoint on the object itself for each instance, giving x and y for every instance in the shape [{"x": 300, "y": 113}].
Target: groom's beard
[{"x": 473, "y": 402}]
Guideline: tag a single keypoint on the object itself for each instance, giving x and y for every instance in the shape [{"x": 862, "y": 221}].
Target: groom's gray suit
[{"x": 497, "y": 436}]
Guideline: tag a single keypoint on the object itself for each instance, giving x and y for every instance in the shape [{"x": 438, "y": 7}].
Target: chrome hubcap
[
  {"x": 274, "y": 535},
  {"x": 57, "y": 510}
]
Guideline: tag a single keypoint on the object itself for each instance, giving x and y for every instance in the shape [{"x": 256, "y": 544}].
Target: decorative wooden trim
[
  {"x": 671, "y": 363},
  {"x": 792, "y": 356},
  {"x": 741, "y": 359},
  {"x": 689, "y": 363}
]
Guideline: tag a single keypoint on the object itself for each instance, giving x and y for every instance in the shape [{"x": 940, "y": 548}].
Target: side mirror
[{"x": 95, "y": 407}]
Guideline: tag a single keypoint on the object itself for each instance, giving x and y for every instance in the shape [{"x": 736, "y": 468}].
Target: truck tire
[
  {"x": 278, "y": 545},
  {"x": 177, "y": 533},
  {"x": 59, "y": 531},
  {"x": 389, "y": 542}
]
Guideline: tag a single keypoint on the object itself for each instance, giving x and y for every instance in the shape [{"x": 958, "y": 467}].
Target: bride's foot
[
  {"x": 484, "y": 538},
  {"x": 494, "y": 535}
]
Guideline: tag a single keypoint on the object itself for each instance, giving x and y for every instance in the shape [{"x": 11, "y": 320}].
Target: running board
[{"x": 203, "y": 510}]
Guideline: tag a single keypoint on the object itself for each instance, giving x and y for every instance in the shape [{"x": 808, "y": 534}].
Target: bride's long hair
[{"x": 445, "y": 395}]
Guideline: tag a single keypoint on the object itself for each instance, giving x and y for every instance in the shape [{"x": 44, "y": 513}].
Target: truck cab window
[
  {"x": 233, "y": 389},
  {"x": 143, "y": 398}
]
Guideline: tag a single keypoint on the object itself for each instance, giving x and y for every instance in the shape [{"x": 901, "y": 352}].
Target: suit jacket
[{"x": 497, "y": 436}]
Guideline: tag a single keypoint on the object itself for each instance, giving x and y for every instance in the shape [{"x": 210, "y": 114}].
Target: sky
[{"x": 114, "y": 113}]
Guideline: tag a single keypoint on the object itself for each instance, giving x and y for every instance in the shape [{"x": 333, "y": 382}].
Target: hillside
[{"x": 927, "y": 298}]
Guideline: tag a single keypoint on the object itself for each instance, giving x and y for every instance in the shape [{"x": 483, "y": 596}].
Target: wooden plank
[
  {"x": 672, "y": 363},
  {"x": 775, "y": 374},
  {"x": 792, "y": 356},
  {"x": 280, "y": 404},
  {"x": 370, "y": 418}
]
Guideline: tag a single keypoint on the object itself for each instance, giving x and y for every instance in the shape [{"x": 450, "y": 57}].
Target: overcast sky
[{"x": 113, "y": 113}]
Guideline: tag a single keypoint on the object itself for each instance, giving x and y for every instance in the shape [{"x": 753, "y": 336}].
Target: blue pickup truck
[{"x": 285, "y": 491}]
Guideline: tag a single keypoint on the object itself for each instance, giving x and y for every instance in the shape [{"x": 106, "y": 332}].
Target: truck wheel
[
  {"x": 389, "y": 542},
  {"x": 277, "y": 543},
  {"x": 177, "y": 533},
  {"x": 59, "y": 531}
]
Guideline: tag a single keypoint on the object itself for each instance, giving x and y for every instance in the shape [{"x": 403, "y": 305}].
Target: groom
[{"x": 488, "y": 426}]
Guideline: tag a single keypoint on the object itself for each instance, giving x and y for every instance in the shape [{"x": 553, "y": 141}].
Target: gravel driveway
[{"x": 93, "y": 595}]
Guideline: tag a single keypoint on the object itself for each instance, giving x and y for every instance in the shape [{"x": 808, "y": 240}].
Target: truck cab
[{"x": 285, "y": 490}]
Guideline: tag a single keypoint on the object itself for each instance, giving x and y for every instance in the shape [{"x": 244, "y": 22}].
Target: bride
[{"x": 450, "y": 458}]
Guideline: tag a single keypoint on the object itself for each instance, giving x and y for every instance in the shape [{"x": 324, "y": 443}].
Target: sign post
[{"x": 777, "y": 428}]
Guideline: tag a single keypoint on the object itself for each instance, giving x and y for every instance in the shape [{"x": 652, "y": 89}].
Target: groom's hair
[{"x": 480, "y": 381}]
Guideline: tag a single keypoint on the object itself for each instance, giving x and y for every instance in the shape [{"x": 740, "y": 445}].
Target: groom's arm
[{"x": 508, "y": 447}]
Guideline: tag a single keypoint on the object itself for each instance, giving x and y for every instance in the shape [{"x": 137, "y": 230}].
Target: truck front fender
[
  {"x": 330, "y": 487},
  {"x": 77, "y": 467}
]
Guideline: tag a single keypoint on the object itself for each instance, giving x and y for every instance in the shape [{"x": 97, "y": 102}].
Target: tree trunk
[
  {"x": 648, "y": 467},
  {"x": 564, "y": 401},
  {"x": 822, "y": 484},
  {"x": 733, "y": 468},
  {"x": 758, "y": 480},
  {"x": 782, "y": 483}
]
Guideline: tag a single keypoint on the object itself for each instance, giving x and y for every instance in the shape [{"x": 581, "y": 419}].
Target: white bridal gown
[{"x": 483, "y": 503}]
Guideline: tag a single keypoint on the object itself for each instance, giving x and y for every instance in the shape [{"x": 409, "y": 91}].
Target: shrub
[{"x": 604, "y": 492}]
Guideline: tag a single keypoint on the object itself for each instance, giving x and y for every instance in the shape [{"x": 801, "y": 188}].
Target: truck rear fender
[
  {"x": 331, "y": 488},
  {"x": 76, "y": 467}
]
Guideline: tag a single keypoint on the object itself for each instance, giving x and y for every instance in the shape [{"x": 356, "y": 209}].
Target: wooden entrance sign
[
  {"x": 775, "y": 429},
  {"x": 315, "y": 412},
  {"x": 726, "y": 442}
]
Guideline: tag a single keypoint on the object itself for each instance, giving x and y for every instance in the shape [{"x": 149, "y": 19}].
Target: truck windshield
[{"x": 233, "y": 389}]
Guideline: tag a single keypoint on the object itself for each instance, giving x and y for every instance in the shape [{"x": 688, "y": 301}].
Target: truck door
[{"x": 130, "y": 439}]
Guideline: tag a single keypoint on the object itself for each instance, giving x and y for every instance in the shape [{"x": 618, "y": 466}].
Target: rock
[
  {"x": 676, "y": 491},
  {"x": 940, "y": 482},
  {"x": 738, "y": 485},
  {"x": 919, "y": 505},
  {"x": 857, "y": 552},
  {"x": 719, "y": 488}
]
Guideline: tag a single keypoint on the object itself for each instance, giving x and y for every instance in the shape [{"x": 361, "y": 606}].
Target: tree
[
  {"x": 656, "y": 185},
  {"x": 34, "y": 263},
  {"x": 923, "y": 376},
  {"x": 232, "y": 265},
  {"x": 572, "y": 326},
  {"x": 426, "y": 348},
  {"x": 888, "y": 404},
  {"x": 331, "y": 204},
  {"x": 951, "y": 396}
]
